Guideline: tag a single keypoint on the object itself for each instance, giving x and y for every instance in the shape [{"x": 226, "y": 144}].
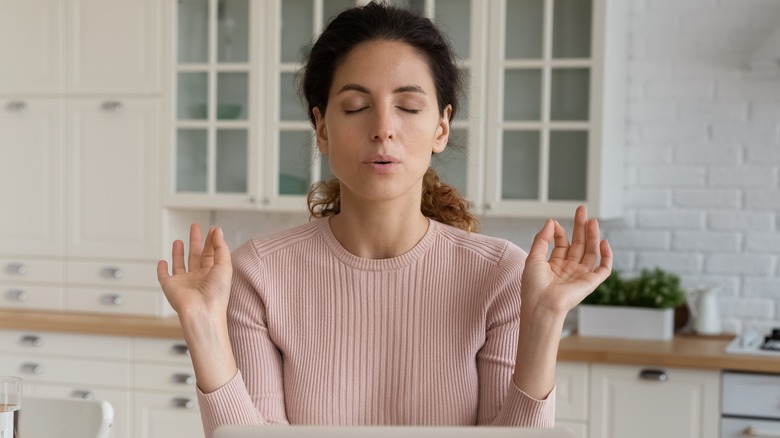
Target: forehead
[{"x": 378, "y": 64}]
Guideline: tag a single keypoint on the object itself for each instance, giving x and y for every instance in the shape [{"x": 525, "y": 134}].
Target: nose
[{"x": 383, "y": 125}]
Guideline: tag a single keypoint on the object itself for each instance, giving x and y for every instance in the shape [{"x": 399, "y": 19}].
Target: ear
[
  {"x": 442, "y": 131},
  {"x": 321, "y": 131}
]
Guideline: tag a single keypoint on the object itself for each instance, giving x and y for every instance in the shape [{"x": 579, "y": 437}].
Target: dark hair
[{"x": 376, "y": 22}]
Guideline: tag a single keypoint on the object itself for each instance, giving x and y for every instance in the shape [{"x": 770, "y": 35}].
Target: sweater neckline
[{"x": 398, "y": 262}]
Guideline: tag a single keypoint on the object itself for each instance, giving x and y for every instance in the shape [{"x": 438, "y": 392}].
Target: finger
[
  {"x": 221, "y": 249},
  {"x": 605, "y": 267},
  {"x": 162, "y": 271},
  {"x": 207, "y": 256},
  {"x": 177, "y": 257},
  {"x": 577, "y": 248},
  {"x": 592, "y": 241},
  {"x": 561, "y": 247},
  {"x": 195, "y": 247},
  {"x": 542, "y": 241}
]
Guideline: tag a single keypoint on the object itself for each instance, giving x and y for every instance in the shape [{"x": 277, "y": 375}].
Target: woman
[{"x": 384, "y": 309}]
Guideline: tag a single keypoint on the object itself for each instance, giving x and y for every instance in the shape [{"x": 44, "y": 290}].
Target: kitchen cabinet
[
  {"x": 149, "y": 382},
  {"x": 640, "y": 402},
  {"x": 539, "y": 131},
  {"x": 80, "y": 46},
  {"x": 571, "y": 397}
]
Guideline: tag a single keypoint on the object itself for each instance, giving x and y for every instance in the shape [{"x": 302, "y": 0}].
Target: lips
[{"x": 382, "y": 164}]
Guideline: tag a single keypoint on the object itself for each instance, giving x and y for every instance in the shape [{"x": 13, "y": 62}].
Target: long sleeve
[{"x": 324, "y": 337}]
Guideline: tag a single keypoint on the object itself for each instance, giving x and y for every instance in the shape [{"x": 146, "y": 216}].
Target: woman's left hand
[{"x": 556, "y": 285}]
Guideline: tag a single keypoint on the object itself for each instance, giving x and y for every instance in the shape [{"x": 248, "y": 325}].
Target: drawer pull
[
  {"x": 654, "y": 375},
  {"x": 112, "y": 105},
  {"x": 32, "y": 368},
  {"x": 16, "y": 268},
  {"x": 183, "y": 379},
  {"x": 113, "y": 272},
  {"x": 183, "y": 403},
  {"x": 17, "y": 295},
  {"x": 181, "y": 350},
  {"x": 16, "y": 106},
  {"x": 82, "y": 394},
  {"x": 31, "y": 340},
  {"x": 113, "y": 300},
  {"x": 754, "y": 431}
]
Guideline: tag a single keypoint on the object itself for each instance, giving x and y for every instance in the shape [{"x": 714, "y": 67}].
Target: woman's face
[{"x": 382, "y": 123}]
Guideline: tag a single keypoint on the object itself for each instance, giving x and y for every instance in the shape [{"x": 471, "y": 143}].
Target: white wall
[{"x": 702, "y": 158}]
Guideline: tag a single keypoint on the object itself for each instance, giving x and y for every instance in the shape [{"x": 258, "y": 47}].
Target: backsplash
[{"x": 702, "y": 158}]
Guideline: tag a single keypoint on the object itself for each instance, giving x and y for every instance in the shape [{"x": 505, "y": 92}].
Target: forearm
[
  {"x": 210, "y": 349},
  {"x": 537, "y": 352}
]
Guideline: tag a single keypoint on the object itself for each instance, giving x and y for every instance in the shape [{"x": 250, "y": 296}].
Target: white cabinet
[
  {"x": 149, "y": 382},
  {"x": 653, "y": 402},
  {"x": 571, "y": 397},
  {"x": 80, "y": 46}
]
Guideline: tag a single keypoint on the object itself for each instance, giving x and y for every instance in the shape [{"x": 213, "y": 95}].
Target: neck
[{"x": 378, "y": 231}]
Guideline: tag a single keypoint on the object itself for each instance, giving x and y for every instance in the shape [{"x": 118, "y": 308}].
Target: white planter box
[{"x": 625, "y": 322}]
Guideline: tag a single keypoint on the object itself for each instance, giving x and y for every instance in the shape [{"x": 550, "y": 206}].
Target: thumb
[
  {"x": 542, "y": 242},
  {"x": 221, "y": 249}
]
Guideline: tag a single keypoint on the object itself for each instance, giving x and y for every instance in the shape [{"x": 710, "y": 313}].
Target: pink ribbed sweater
[{"x": 324, "y": 337}]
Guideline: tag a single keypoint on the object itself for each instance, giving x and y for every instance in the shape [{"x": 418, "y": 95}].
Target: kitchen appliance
[{"x": 750, "y": 403}]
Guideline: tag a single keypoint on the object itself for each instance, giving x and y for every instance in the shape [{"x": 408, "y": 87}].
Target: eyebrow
[{"x": 403, "y": 89}]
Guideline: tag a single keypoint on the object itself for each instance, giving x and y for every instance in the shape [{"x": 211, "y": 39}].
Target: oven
[{"x": 750, "y": 405}]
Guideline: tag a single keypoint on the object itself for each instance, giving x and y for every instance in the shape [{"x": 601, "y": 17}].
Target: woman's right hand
[{"x": 203, "y": 285}]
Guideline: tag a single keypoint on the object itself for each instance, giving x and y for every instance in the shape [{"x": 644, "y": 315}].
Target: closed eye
[
  {"x": 408, "y": 110},
  {"x": 354, "y": 111}
]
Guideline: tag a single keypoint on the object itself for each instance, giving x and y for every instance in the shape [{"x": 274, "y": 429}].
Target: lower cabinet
[{"x": 149, "y": 382}]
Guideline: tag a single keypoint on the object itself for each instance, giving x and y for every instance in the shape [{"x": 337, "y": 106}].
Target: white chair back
[{"x": 65, "y": 418}]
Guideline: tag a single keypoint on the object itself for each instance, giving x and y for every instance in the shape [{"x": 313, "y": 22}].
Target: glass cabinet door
[
  {"x": 540, "y": 137},
  {"x": 214, "y": 124}
]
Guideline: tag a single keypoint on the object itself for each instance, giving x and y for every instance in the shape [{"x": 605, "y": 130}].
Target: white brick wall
[{"x": 702, "y": 195}]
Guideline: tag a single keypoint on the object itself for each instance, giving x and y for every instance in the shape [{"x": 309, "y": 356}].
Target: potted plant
[{"x": 637, "y": 308}]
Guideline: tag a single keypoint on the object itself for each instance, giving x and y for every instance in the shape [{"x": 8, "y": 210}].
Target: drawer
[
  {"x": 17, "y": 270},
  {"x": 109, "y": 273},
  {"x": 752, "y": 395},
  {"x": 571, "y": 391},
  {"x": 167, "y": 378},
  {"x": 78, "y": 372},
  {"x": 31, "y": 343},
  {"x": 121, "y": 302},
  {"x": 171, "y": 351},
  {"x": 121, "y": 401},
  {"x": 31, "y": 297},
  {"x": 162, "y": 415},
  {"x": 745, "y": 427}
]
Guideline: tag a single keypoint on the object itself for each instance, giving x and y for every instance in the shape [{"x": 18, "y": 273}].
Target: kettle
[{"x": 703, "y": 303}]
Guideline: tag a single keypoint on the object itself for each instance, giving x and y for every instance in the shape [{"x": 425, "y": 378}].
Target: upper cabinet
[
  {"x": 80, "y": 46},
  {"x": 539, "y": 130}
]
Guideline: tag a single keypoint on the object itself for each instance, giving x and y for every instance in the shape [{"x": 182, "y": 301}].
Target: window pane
[
  {"x": 520, "y": 165},
  {"x": 192, "y": 160},
  {"x": 290, "y": 105},
  {"x": 297, "y": 20},
  {"x": 192, "y": 89},
  {"x": 193, "y": 29},
  {"x": 524, "y": 29},
  {"x": 568, "y": 165},
  {"x": 569, "y": 94},
  {"x": 331, "y": 8},
  {"x": 464, "y": 102},
  {"x": 523, "y": 95},
  {"x": 295, "y": 161},
  {"x": 571, "y": 28},
  {"x": 454, "y": 18},
  {"x": 232, "y": 94},
  {"x": 233, "y": 31},
  {"x": 417, "y": 6},
  {"x": 451, "y": 165},
  {"x": 232, "y": 161}
]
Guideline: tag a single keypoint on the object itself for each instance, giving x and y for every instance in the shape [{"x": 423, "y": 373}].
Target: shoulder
[
  {"x": 273, "y": 243},
  {"x": 491, "y": 248}
]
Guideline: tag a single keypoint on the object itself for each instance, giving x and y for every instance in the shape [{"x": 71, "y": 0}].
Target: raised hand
[
  {"x": 573, "y": 270},
  {"x": 203, "y": 285}
]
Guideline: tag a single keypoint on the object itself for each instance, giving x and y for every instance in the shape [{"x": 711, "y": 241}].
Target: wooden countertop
[
  {"x": 94, "y": 324},
  {"x": 684, "y": 351}
]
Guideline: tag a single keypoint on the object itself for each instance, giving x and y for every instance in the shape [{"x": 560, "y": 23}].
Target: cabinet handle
[
  {"x": 183, "y": 379},
  {"x": 754, "y": 431},
  {"x": 32, "y": 368},
  {"x": 31, "y": 340},
  {"x": 16, "y": 268},
  {"x": 17, "y": 295},
  {"x": 16, "y": 106},
  {"x": 654, "y": 375},
  {"x": 181, "y": 350},
  {"x": 113, "y": 272},
  {"x": 82, "y": 394},
  {"x": 113, "y": 300},
  {"x": 183, "y": 403},
  {"x": 112, "y": 105}
]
